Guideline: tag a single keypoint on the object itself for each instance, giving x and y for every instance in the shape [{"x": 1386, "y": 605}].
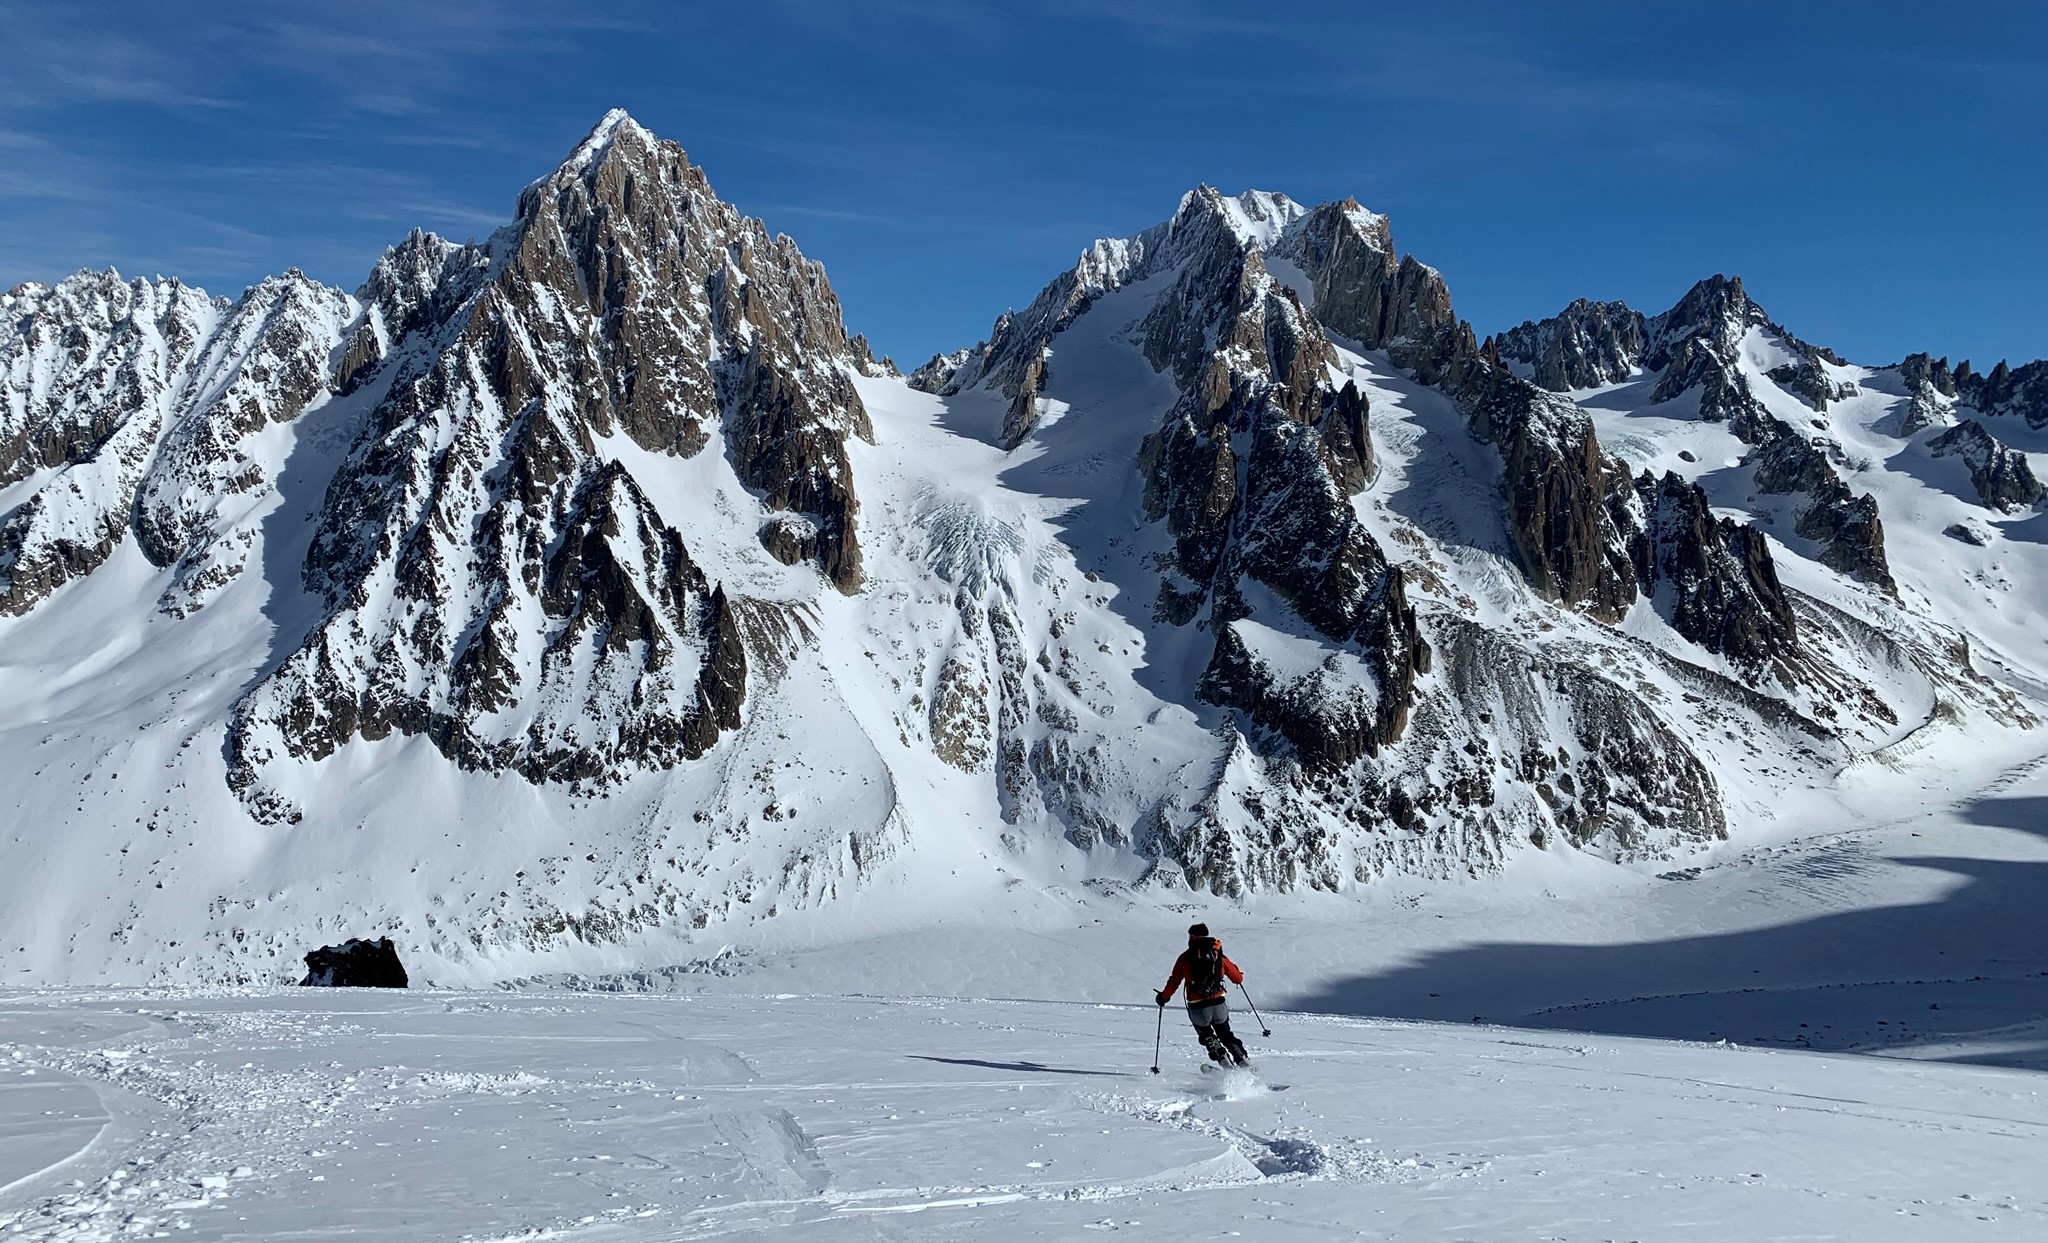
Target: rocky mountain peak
[
  {"x": 2002, "y": 476},
  {"x": 1255, "y": 217},
  {"x": 616, "y": 125},
  {"x": 1716, "y": 346},
  {"x": 487, "y": 531},
  {"x": 1586, "y": 345},
  {"x": 2006, "y": 390},
  {"x": 1717, "y": 309}
]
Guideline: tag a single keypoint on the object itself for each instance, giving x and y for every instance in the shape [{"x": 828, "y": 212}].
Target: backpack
[{"x": 1205, "y": 968}]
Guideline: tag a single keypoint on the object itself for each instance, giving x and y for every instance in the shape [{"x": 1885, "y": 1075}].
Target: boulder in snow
[{"x": 355, "y": 964}]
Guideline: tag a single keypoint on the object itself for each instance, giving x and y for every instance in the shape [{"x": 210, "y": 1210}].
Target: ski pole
[
  {"x": 1157, "y": 1034},
  {"x": 1263, "y": 1029}
]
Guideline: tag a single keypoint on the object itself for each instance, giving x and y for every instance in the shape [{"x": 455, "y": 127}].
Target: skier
[{"x": 1202, "y": 967}]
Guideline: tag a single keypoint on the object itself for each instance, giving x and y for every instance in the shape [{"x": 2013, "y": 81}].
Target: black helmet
[{"x": 1197, "y": 931}]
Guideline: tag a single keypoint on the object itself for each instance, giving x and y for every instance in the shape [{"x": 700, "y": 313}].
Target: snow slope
[
  {"x": 827, "y": 1093},
  {"x": 447, "y": 1116}
]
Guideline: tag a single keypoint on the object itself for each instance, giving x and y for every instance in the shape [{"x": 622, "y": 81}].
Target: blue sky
[{"x": 1876, "y": 171}]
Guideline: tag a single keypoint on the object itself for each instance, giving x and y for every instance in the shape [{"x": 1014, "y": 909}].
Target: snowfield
[
  {"x": 472, "y": 1116},
  {"x": 992, "y": 1082}
]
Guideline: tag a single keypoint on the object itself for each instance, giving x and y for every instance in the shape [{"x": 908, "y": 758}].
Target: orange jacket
[{"x": 1180, "y": 974}]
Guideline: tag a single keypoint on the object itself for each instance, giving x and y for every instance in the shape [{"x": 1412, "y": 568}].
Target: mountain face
[
  {"x": 493, "y": 578},
  {"x": 131, "y": 408},
  {"x": 575, "y": 596},
  {"x": 1696, "y": 352}
]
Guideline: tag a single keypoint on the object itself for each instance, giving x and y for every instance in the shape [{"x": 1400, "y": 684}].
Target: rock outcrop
[
  {"x": 1713, "y": 578},
  {"x": 1359, "y": 289},
  {"x": 1556, "y": 482},
  {"x": 356, "y": 964},
  {"x": 1936, "y": 390},
  {"x": 1586, "y": 345},
  {"x": 1695, "y": 347},
  {"x": 1930, "y": 396},
  {"x": 1012, "y": 359},
  {"x": 2001, "y": 475},
  {"x": 2020, "y": 392}
]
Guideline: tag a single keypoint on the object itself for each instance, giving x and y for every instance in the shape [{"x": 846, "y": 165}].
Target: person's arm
[
  {"x": 1230, "y": 969},
  {"x": 1180, "y": 972}
]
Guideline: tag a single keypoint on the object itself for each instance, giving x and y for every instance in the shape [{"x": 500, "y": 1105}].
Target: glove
[{"x": 1162, "y": 999}]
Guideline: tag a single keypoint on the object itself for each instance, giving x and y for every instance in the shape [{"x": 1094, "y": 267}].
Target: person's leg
[
  {"x": 1228, "y": 1039},
  {"x": 1205, "y": 1015}
]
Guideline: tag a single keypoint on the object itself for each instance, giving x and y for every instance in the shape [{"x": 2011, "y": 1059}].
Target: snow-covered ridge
[
  {"x": 592, "y": 149},
  {"x": 140, "y": 404}
]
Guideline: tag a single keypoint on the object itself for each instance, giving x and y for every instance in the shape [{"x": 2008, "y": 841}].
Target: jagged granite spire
[{"x": 494, "y": 575}]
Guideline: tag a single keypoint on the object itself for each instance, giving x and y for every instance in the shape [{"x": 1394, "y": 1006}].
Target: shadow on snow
[{"x": 1966, "y": 973}]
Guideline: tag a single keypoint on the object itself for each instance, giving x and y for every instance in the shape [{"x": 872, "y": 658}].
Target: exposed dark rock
[
  {"x": 1348, "y": 254},
  {"x": 287, "y": 327},
  {"x": 2004, "y": 390},
  {"x": 1300, "y": 539},
  {"x": 1360, "y": 290},
  {"x": 1694, "y": 348},
  {"x": 355, "y": 964},
  {"x": 780, "y": 445},
  {"x": 1724, "y": 392},
  {"x": 936, "y": 376},
  {"x": 1252, "y": 471},
  {"x": 1555, "y": 475},
  {"x": 1807, "y": 379},
  {"x": 1022, "y": 415},
  {"x": 1919, "y": 370},
  {"x": 1712, "y": 578},
  {"x": 358, "y": 362},
  {"x": 1586, "y": 345},
  {"x": 1845, "y": 526},
  {"x": 791, "y": 539},
  {"x": 1930, "y": 396},
  {"x": 1556, "y": 481},
  {"x": 120, "y": 353},
  {"x": 1012, "y": 359},
  {"x": 1715, "y": 313},
  {"x": 142, "y": 398},
  {"x": 1633, "y": 778},
  {"x": 2001, "y": 475},
  {"x": 1967, "y": 534},
  {"x": 864, "y": 359},
  {"x": 1347, "y": 439}
]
